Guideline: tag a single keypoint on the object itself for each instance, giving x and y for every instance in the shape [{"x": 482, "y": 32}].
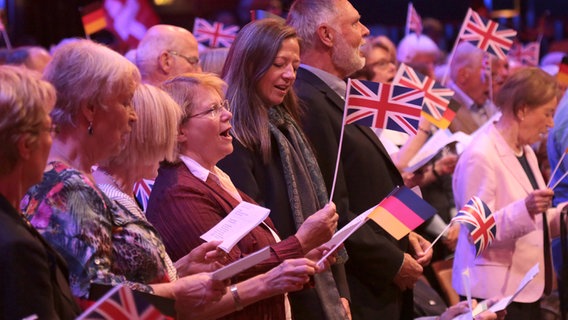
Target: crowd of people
[{"x": 261, "y": 122}]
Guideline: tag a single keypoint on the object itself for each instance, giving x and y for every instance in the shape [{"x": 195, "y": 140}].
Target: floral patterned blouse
[{"x": 101, "y": 241}]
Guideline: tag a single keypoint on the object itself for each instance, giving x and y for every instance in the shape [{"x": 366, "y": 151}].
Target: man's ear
[
  {"x": 326, "y": 35},
  {"x": 165, "y": 62},
  {"x": 463, "y": 75}
]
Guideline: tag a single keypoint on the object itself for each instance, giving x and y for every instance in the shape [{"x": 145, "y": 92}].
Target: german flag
[{"x": 93, "y": 17}]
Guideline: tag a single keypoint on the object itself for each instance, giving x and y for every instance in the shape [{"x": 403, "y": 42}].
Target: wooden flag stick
[
  {"x": 340, "y": 142},
  {"x": 560, "y": 180},
  {"x": 6, "y": 39},
  {"x": 556, "y": 168},
  {"x": 438, "y": 237}
]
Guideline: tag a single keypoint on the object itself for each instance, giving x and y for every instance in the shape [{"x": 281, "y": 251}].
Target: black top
[
  {"x": 33, "y": 276},
  {"x": 525, "y": 164}
]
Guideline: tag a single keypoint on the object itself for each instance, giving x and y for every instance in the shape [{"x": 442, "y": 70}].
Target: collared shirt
[
  {"x": 220, "y": 177},
  {"x": 480, "y": 113},
  {"x": 336, "y": 84}
]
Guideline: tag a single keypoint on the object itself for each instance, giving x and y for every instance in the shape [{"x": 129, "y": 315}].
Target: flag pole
[
  {"x": 438, "y": 237},
  {"x": 487, "y": 56},
  {"x": 560, "y": 180},
  {"x": 6, "y": 39},
  {"x": 556, "y": 168},
  {"x": 445, "y": 77},
  {"x": 407, "y": 28},
  {"x": 340, "y": 142}
]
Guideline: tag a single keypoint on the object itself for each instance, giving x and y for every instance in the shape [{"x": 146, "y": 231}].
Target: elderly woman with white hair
[{"x": 98, "y": 239}]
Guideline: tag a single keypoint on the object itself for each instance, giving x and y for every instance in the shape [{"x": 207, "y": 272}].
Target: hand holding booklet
[
  {"x": 341, "y": 235},
  {"x": 241, "y": 265},
  {"x": 244, "y": 217},
  {"x": 503, "y": 302}
]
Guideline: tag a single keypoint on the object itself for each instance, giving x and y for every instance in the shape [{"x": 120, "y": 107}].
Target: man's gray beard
[{"x": 346, "y": 59}]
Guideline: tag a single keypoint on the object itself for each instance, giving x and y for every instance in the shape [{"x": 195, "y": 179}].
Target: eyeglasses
[
  {"x": 381, "y": 64},
  {"x": 190, "y": 60},
  {"x": 215, "y": 110}
]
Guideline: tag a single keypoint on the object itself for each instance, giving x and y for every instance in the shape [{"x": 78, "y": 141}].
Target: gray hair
[
  {"x": 160, "y": 38},
  {"x": 86, "y": 73},
  {"x": 465, "y": 56},
  {"x": 25, "y": 100},
  {"x": 307, "y": 15}
]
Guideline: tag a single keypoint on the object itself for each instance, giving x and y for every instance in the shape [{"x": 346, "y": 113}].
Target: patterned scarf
[{"x": 307, "y": 194}]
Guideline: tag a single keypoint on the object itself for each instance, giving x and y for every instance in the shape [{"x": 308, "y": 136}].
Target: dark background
[{"x": 46, "y": 22}]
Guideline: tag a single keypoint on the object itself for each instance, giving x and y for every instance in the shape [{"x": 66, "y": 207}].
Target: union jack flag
[
  {"x": 214, "y": 34},
  {"x": 413, "y": 20},
  {"x": 479, "y": 220},
  {"x": 487, "y": 35},
  {"x": 142, "y": 191},
  {"x": 381, "y": 105},
  {"x": 436, "y": 97},
  {"x": 527, "y": 55},
  {"x": 120, "y": 303}
]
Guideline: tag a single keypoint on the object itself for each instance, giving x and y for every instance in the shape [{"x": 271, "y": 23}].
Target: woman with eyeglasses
[
  {"x": 191, "y": 195},
  {"x": 100, "y": 240}
]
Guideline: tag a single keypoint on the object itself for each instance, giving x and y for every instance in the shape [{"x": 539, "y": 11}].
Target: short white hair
[{"x": 413, "y": 44}]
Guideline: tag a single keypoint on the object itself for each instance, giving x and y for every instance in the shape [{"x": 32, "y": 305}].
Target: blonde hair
[
  {"x": 154, "y": 136},
  {"x": 25, "y": 100},
  {"x": 87, "y": 73},
  {"x": 184, "y": 90}
]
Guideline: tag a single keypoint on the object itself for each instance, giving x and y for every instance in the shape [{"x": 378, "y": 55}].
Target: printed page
[
  {"x": 236, "y": 225},
  {"x": 435, "y": 144}
]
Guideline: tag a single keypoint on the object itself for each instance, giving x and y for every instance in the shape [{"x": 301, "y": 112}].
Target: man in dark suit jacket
[{"x": 380, "y": 272}]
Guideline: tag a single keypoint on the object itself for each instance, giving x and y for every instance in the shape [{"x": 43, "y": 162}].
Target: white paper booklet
[
  {"x": 241, "y": 265},
  {"x": 503, "y": 302},
  {"x": 435, "y": 144},
  {"x": 236, "y": 225},
  {"x": 341, "y": 235}
]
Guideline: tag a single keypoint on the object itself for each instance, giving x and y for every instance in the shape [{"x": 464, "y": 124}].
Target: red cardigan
[{"x": 183, "y": 207}]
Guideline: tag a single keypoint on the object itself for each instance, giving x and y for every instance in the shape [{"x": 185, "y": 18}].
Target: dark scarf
[{"x": 307, "y": 194}]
